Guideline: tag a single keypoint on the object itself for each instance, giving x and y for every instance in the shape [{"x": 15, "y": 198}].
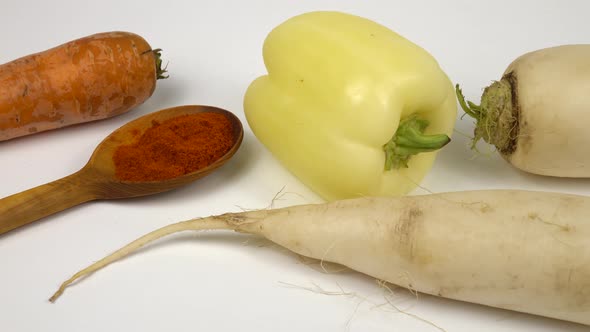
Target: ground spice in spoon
[{"x": 175, "y": 147}]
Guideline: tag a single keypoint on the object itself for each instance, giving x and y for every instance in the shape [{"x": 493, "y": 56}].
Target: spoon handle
[{"x": 33, "y": 204}]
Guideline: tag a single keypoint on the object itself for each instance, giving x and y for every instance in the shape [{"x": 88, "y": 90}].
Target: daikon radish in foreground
[{"x": 518, "y": 250}]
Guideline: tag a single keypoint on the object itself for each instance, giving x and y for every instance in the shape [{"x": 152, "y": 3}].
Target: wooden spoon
[{"x": 96, "y": 180}]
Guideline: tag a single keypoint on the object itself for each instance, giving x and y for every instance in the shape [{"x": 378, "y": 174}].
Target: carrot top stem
[{"x": 159, "y": 70}]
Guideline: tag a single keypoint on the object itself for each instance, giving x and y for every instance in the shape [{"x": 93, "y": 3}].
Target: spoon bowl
[
  {"x": 97, "y": 179},
  {"x": 101, "y": 161}
]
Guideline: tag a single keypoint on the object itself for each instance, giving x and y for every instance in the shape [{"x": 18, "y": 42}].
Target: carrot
[
  {"x": 87, "y": 79},
  {"x": 518, "y": 250}
]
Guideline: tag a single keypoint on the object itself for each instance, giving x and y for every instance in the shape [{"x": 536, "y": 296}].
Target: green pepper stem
[{"x": 408, "y": 140}]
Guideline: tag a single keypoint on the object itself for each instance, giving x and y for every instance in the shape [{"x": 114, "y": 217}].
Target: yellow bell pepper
[{"x": 350, "y": 107}]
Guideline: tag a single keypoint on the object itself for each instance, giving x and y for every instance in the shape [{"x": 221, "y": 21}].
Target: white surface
[{"x": 222, "y": 281}]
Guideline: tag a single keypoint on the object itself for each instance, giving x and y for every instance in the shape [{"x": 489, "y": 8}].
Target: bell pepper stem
[{"x": 408, "y": 140}]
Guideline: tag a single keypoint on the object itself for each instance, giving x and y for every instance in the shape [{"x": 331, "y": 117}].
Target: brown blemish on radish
[
  {"x": 405, "y": 232},
  {"x": 534, "y": 216},
  {"x": 514, "y": 131},
  {"x": 485, "y": 208}
]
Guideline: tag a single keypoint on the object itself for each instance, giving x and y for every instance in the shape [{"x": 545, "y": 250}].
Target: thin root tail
[{"x": 210, "y": 223}]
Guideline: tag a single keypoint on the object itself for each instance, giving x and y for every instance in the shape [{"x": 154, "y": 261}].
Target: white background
[{"x": 220, "y": 281}]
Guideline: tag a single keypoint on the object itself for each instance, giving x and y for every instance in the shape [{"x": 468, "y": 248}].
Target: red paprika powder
[{"x": 175, "y": 147}]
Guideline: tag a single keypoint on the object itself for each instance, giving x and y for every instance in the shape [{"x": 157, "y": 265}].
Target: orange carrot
[{"x": 87, "y": 79}]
